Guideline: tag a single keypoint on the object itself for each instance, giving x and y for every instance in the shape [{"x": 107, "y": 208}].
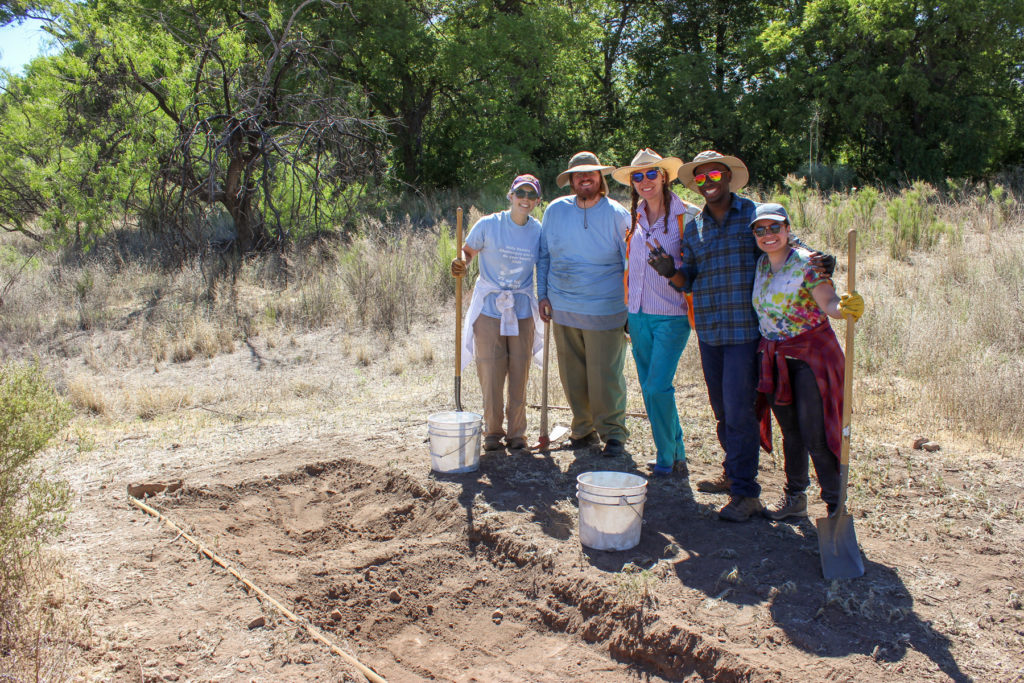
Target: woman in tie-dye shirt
[{"x": 801, "y": 361}]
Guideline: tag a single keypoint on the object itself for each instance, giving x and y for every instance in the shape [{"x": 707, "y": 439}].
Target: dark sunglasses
[
  {"x": 713, "y": 176},
  {"x": 524, "y": 194},
  {"x": 650, "y": 175},
  {"x": 771, "y": 228}
]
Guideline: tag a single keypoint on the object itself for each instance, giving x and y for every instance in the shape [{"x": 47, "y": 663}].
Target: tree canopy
[{"x": 282, "y": 115}]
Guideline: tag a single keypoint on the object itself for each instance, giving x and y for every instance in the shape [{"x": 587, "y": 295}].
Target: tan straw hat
[
  {"x": 582, "y": 162},
  {"x": 645, "y": 159},
  {"x": 740, "y": 174}
]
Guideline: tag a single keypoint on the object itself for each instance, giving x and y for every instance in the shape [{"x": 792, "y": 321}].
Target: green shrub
[
  {"x": 913, "y": 223},
  {"x": 32, "y": 508}
]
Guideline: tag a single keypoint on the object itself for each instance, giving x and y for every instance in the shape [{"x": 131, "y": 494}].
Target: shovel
[
  {"x": 458, "y": 314},
  {"x": 545, "y": 440},
  {"x": 837, "y": 541}
]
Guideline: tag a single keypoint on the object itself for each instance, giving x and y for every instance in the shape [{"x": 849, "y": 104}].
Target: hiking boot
[
  {"x": 613, "y": 448},
  {"x": 740, "y": 509},
  {"x": 591, "y": 439},
  {"x": 679, "y": 468},
  {"x": 516, "y": 443},
  {"x": 492, "y": 442},
  {"x": 722, "y": 484},
  {"x": 790, "y": 505}
]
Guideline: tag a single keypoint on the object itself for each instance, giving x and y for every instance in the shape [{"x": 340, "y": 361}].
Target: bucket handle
[
  {"x": 622, "y": 502},
  {"x": 459, "y": 447}
]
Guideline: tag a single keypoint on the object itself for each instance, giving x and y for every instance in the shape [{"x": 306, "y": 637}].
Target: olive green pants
[{"x": 590, "y": 364}]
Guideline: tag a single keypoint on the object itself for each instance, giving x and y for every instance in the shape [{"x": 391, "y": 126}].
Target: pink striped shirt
[{"x": 649, "y": 292}]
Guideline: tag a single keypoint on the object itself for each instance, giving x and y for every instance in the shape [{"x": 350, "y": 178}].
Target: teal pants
[{"x": 658, "y": 343}]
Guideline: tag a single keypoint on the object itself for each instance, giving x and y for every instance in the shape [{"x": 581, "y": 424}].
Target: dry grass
[
  {"x": 942, "y": 343},
  {"x": 43, "y": 624}
]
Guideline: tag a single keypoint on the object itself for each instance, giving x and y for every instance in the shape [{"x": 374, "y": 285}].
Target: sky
[{"x": 19, "y": 43}]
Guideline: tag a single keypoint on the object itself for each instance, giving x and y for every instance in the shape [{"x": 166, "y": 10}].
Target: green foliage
[
  {"x": 912, "y": 221},
  {"x": 32, "y": 508},
  {"x": 798, "y": 194},
  {"x": 168, "y": 109}
]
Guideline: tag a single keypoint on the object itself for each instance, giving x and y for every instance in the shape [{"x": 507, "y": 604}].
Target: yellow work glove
[
  {"x": 851, "y": 303},
  {"x": 458, "y": 268}
]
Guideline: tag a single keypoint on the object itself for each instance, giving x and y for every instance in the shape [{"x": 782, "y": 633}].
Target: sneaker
[
  {"x": 790, "y": 505},
  {"x": 578, "y": 442},
  {"x": 740, "y": 509},
  {"x": 613, "y": 448},
  {"x": 516, "y": 443},
  {"x": 722, "y": 484},
  {"x": 492, "y": 442},
  {"x": 679, "y": 468}
]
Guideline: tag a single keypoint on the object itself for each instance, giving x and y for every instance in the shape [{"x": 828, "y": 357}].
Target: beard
[{"x": 587, "y": 193}]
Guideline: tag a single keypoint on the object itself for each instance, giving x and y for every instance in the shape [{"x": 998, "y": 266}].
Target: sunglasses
[
  {"x": 771, "y": 228},
  {"x": 524, "y": 194},
  {"x": 713, "y": 176},
  {"x": 640, "y": 175}
]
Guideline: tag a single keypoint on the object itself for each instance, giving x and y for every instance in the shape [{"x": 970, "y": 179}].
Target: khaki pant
[
  {"x": 499, "y": 357},
  {"x": 590, "y": 364}
]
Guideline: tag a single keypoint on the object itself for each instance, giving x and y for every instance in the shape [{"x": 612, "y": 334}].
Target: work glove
[
  {"x": 458, "y": 267},
  {"x": 661, "y": 261},
  {"x": 852, "y": 303}
]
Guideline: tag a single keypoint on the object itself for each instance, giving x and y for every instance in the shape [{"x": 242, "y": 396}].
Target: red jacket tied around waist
[{"x": 820, "y": 349}]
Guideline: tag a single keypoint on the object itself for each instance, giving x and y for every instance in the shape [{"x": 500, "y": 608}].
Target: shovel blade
[
  {"x": 545, "y": 440},
  {"x": 837, "y": 544}
]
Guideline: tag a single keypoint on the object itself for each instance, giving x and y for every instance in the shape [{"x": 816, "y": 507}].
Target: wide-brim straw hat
[
  {"x": 645, "y": 159},
  {"x": 582, "y": 162},
  {"x": 740, "y": 174}
]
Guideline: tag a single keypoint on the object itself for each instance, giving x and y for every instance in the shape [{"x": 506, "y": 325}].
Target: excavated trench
[{"x": 431, "y": 580}]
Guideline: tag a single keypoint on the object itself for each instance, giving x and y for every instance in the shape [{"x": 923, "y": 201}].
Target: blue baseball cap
[{"x": 769, "y": 211}]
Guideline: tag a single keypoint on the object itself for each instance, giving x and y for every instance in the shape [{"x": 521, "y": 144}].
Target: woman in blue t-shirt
[{"x": 502, "y": 330}]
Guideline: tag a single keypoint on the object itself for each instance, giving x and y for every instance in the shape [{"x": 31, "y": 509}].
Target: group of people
[{"x": 731, "y": 272}]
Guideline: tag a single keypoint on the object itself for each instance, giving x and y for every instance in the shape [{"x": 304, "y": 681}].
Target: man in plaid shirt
[{"x": 719, "y": 260}]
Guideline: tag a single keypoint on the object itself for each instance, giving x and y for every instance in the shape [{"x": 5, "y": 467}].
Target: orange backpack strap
[
  {"x": 681, "y": 219},
  {"x": 625, "y": 271}
]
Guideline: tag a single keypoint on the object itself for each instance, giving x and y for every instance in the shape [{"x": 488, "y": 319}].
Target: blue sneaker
[{"x": 679, "y": 468}]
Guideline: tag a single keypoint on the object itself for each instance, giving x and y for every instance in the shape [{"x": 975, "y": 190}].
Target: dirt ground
[{"x": 306, "y": 466}]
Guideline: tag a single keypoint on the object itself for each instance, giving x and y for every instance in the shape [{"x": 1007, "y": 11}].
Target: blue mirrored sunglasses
[{"x": 639, "y": 175}]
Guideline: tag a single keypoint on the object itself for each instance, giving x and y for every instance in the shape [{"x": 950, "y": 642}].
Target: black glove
[
  {"x": 661, "y": 262},
  {"x": 821, "y": 262},
  {"x": 824, "y": 262}
]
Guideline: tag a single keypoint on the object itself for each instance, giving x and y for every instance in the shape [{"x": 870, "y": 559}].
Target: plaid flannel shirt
[{"x": 719, "y": 262}]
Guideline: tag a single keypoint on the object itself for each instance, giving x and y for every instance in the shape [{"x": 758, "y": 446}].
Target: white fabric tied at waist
[{"x": 505, "y": 302}]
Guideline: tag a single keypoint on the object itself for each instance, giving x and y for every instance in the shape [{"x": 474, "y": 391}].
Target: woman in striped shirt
[{"x": 658, "y": 325}]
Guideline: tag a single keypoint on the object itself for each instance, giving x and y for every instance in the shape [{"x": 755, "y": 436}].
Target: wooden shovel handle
[
  {"x": 851, "y": 284},
  {"x": 458, "y": 296},
  {"x": 544, "y": 383}
]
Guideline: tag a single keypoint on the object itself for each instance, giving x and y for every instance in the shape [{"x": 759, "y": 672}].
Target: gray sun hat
[
  {"x": 645, "y": 159},
  {"x": 740, "y": 174},
  {"x": 582, "y": 162},
  {"x": 770, "y": 211}
]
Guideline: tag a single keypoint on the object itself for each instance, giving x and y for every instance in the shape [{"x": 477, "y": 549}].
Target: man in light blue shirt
[{"x": 580, "y": 288}]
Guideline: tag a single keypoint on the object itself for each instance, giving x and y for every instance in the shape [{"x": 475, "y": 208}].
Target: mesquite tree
[{"x": 261, "y": 128}]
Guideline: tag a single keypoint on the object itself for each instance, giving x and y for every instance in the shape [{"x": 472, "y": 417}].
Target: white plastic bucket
[
  {"x": 455, "y": 441},
  {"x": 611, "y": 509}
]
